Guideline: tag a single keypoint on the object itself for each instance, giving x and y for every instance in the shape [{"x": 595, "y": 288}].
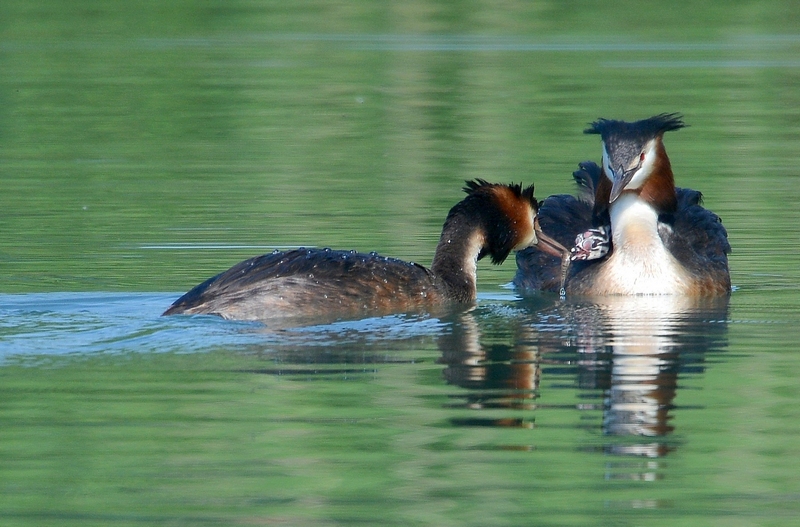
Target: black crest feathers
[{"x": 644, "y": 129}]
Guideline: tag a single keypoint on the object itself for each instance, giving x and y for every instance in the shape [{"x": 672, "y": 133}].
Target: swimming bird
[
  {"x": 493, "y": 220},
  {"x": 631, "y": 230}
]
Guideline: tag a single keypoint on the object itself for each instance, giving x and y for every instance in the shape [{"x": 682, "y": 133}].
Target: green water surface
[{"x": 145, "y": 146}]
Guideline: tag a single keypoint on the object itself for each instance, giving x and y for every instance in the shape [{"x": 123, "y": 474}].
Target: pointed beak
[
  {"x": 548, "y": 244},
  {"x": 620, "y": 180}
]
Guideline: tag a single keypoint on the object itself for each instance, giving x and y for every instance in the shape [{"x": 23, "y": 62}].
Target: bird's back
[
  {"x": 311, "y": 283},
  {"x": 697, "y": 239},
  {"x": 563, "y": 217}
]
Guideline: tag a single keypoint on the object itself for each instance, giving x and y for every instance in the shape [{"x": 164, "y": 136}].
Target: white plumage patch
[
  {"x": 607, "y": 164},
  {"x": 648, "y": 164},
  {"x": 640, "y": 264}
]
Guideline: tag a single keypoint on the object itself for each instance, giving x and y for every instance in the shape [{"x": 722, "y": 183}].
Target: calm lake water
[{"x": 146, "y": 146}]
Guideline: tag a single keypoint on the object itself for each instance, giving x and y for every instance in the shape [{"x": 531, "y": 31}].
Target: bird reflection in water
[
  {"x": 633, "y": 349},
  {"x": 625, "y": 355},
  {"x": 498, "y": 375}
]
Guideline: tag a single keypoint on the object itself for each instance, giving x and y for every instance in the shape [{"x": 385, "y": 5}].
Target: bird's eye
[{"x": 641, "y": 158}]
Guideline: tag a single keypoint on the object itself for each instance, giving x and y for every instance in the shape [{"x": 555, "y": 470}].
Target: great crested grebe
[
  {"x": 311, "y": 283},
  {"x": 662, "y": 241}
]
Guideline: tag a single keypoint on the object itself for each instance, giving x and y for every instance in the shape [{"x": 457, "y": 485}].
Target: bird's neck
[
  {"x": 634, "y": 224},
  {"x": 455, "y": 263},
  {"x": 640, "y": 262},
  {"x": 659, "y": 189}
]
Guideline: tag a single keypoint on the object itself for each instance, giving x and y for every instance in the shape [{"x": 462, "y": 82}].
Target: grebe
[
  {"x": 662, "y": 241},
  {"x": 322, "y": 283}
]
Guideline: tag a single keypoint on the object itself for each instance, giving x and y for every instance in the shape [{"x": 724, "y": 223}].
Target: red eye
[{"x": 641, "y": 158}]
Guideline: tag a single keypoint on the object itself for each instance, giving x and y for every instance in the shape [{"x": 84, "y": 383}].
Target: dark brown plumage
[
  {"x": 307, "y": 282},
  {"x": 492, "y": 220}
]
